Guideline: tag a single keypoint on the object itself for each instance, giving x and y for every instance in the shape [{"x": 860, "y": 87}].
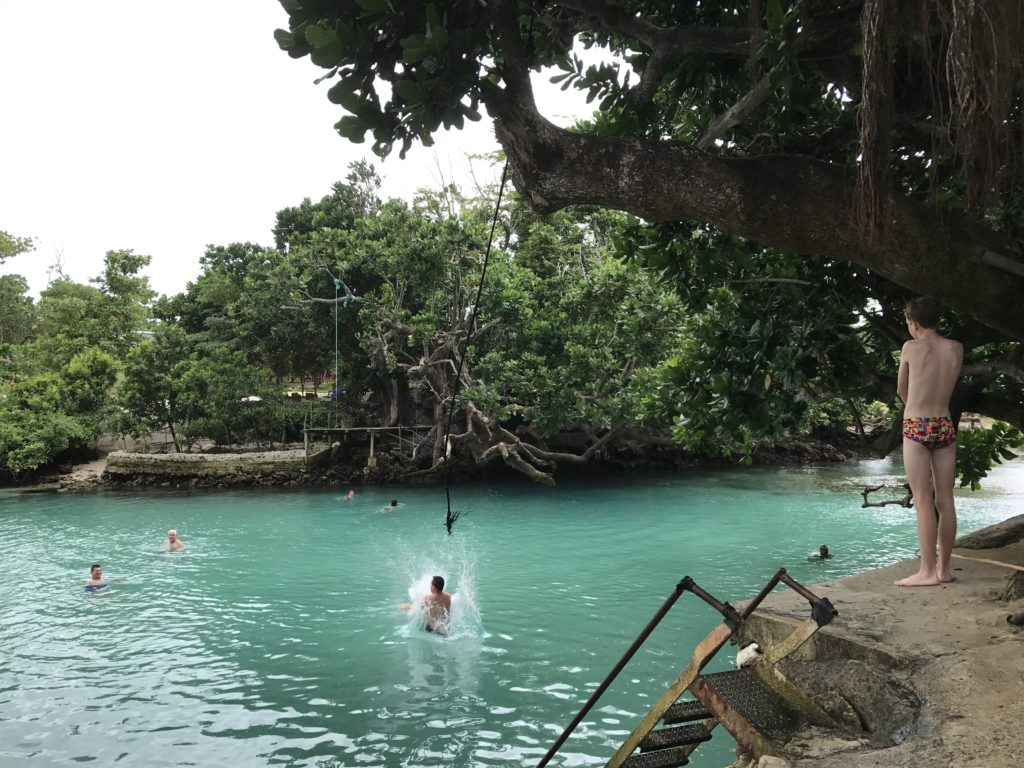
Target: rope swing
[{"x": 451, "y": 516}]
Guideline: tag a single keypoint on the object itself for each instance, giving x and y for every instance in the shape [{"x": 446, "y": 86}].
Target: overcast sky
[{"x": 164, "y": 127}]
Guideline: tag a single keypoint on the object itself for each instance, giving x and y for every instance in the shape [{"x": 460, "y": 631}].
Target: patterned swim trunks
[{"x": 930, "y": 431}]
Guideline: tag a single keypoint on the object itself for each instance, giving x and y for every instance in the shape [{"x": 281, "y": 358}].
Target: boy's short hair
[
  {"x": 923, "y": 311},
  {"x": 438, "y": 583}
]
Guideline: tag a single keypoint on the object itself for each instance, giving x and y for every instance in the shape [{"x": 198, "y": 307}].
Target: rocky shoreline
[
  {"x": 922, "y": 677},
  {"x": 330, "y": 467}
]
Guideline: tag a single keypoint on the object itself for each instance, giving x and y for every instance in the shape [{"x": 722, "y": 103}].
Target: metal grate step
[
  {"x": 679, "y": 736},
  {"x": 684, "y": 712},
  {"x": 762, "y": 707},
  {"x": 663, "y": 758}
]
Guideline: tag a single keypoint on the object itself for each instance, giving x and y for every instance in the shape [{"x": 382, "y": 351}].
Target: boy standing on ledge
[{"x": 929, "y": 368}]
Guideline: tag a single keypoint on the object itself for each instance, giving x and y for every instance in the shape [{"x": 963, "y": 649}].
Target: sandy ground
[{"x": 963, "y": 659}]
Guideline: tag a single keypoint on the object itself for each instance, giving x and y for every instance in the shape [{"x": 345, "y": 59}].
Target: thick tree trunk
[
  {"x": 174, "y": 437},
  {"x": 395, "y": 393},
  {"x": 796, "y": 204}
]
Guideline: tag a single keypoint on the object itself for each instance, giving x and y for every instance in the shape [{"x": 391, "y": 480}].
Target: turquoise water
[{"x": 275, "y": 638}]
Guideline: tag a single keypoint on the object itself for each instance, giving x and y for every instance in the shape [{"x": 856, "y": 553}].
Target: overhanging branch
[
  {"x": 667, "y": 46},
  {"x": 746, "y": 106},
  {"x": 794, "y": 203}
]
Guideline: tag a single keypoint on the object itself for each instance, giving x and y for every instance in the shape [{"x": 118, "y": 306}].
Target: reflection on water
[{"x": 275, "y": 638}]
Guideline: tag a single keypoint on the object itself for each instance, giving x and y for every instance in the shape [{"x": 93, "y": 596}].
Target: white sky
[{"x": 166, "y": 127}]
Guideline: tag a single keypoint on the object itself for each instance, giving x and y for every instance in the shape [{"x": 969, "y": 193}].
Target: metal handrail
[{"x": 687, "y": 584}]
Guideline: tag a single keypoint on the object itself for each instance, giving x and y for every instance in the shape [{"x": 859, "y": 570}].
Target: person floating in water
[
  {"x": 172, "y": 541},
  {"x": 437, "y": 606},
  {"x": 350, "y": 495},
  {"x": 929, "y": 368},
  {"x": 96, "y": 584},
  {"x": 822, "y": 553},
  {"x": 390, "y": 507}
]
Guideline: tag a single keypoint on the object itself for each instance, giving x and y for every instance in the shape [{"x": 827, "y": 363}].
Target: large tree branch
[
  {"x": 742, "y": 109},
  {"x": 1010, "y": 411},
  {"x": 793, "y": 203},
  {"x": 667, "y": 46},
  {"x": 992, "y": 368},
  {"x": 510, "y": 455},
  {"x": 679, "y": 39},
  {"x": 573, "y": 458},
  {"x": 516, "y": 69}
]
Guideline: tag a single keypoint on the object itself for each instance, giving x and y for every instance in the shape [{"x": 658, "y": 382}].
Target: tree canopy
[
  {"x": 886, "y": 135},
  {"x": 13, "y": 245},
  {"x": 595, "y": 333}
]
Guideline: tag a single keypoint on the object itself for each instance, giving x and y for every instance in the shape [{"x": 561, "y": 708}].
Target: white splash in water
[{"x": 458, "y": 568}]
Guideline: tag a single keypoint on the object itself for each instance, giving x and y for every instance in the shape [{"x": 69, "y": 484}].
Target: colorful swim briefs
[{"x": 930, "y": 431}]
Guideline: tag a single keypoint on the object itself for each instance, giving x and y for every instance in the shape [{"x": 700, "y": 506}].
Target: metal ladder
[{"x": 750, "y": 703}]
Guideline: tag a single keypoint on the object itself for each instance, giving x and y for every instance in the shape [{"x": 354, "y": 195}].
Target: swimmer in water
[
  {"x": 391, "y": 507},
  {"x": 822, "y": 554},
  {"x": 96, "y": 583},
  {"x": 172, "y": 541},
  {"x": 438, "y": 607},
  {"x": 350, "y": 495}
]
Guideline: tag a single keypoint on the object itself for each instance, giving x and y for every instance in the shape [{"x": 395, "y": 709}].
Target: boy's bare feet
[{"x": 919, "y": 579}]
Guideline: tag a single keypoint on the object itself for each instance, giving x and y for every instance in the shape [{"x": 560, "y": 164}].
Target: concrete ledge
[
  {"x": 827, "y": 644},
  {"x": 121, "y": 463}
]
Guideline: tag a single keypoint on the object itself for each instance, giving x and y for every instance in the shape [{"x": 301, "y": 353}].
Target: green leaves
[
  {"x": 409, "y": 90},
  {"x": 49, "y": 415},
  {"x": 346, "y": 93},
  {"x": 374, "y": 6},
  {"x": 981, "y": 449},
  {"x": 429, "y": 55},
  {"x": 774, "y": 14},
  {"x": 352, "y": 128},
  {"x": 11, "y": 245}
]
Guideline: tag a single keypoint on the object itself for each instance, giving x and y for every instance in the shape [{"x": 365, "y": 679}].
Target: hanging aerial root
[{"x": 874, "y": 117}]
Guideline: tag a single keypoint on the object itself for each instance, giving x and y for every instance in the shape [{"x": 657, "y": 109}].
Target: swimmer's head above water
[{"x": 95, "y": 582}]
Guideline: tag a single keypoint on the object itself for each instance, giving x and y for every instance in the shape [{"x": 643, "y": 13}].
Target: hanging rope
[{"x": 451, "y": 517}]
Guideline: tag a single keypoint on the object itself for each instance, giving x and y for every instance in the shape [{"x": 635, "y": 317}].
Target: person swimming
[
  {"x": 96, "y": 582},
  {"x": 172, "y": 541},
  {"x": 437, "y": 606},
  {"x": 823, "y": 553}
]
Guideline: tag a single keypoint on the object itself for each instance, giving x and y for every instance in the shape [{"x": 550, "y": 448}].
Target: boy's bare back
[{"x": 929, "y": 369}]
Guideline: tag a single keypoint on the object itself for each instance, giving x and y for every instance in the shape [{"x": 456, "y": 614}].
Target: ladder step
[
  {"x": 678, "y": 736},
  {"x": 685, "y": 711},
  {"x": 663, "y": 758},
  {"x": 761, "y": 706}
]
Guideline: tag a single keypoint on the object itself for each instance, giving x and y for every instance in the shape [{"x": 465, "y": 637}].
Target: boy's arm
[{"x": 903, "y": 378}]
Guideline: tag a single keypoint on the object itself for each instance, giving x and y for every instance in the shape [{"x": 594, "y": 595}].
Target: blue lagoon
[{"x": 275, "y": 637}]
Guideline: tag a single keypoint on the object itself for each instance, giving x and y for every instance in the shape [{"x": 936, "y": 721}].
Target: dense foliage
[
  {"x": 593, "y": 329},
  {"x": 847, "y": 130},
  {"x": 799, "y": 169}
]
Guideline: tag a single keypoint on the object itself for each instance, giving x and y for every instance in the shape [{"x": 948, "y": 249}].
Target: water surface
[{"x": 275, "y": 638}]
